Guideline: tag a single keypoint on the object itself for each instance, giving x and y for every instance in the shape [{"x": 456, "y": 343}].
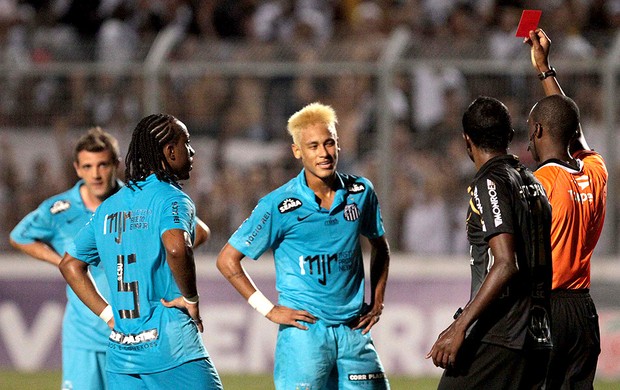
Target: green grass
[{"x": 50, "y": 380}]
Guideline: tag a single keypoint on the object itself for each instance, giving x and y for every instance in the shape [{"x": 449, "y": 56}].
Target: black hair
[
  {"x": 146, "y": 149},
  {"x": 488, "y": 124},
  {"x": 559, "y": 115}
]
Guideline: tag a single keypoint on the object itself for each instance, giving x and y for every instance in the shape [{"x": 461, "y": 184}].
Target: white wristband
[
  {"x": 260, "y": 303},
  {"x": 192, "y": 300},
  {"x": 107, "y": 314}
]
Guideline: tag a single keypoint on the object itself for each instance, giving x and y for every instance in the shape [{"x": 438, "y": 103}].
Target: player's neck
[
  {"x": 324, "y": 190},
  {"x": 482, "y": 156},
  {"x": 560, "y": 154},
  {"x": 91, "y": 201}
]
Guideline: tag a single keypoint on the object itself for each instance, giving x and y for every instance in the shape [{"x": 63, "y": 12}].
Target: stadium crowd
[{"x": 237, "y": 120}]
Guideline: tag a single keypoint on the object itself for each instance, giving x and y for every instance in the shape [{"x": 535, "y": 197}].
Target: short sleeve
[
  {"x": 256, "y": 234},
  {"x": 84, "y": 247},
  {"x": 372, "y": 222},
  {"x": 178, "y": 212},
  {"x": 36, "y": 226},
  {"x": 495, "y": 206}
]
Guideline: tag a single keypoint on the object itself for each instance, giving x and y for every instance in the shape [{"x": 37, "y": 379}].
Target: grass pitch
[{"x": 50, "y": 380}]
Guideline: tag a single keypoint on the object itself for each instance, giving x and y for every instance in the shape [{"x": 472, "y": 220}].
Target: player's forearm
[
  {"x": 379, "y": 270},
  {"x": 39, "y": 251},
  {"x": 180, "y": 258},
  {"x": 183, "y": 269},
  {"x": 236, "y": 276},
  {"x": 76, "y": 274},
  {"x": 551, "y": 86},
  {"x": 494, "y": 284}
]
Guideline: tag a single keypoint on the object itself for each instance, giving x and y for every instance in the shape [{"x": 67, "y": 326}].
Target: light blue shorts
[
  {"x": 83, "y": 369},
  {"x": 198, "y": 374},
  {"x": 327, "y": 357}
]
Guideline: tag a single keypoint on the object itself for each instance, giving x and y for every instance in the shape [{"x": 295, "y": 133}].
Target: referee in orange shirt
[{"x": 575, "y": 179}]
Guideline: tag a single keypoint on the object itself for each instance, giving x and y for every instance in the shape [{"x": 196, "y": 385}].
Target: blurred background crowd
[{"x": 235, "y": 70}]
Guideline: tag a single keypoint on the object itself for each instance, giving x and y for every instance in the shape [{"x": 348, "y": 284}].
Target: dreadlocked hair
[{"x": 146, "y": 149}]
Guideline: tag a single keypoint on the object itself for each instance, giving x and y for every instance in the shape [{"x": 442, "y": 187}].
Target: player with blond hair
[{"x": 313, "y": 225}]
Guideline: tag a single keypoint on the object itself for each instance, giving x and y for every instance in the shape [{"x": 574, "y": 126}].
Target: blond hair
[{"x": 309, "y": 115}]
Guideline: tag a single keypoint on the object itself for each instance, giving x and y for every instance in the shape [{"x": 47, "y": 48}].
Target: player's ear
[
  {"x": 538, "y": 130},
  {"x": 169, "y": 151},
  {"x": 468, "y": 142},
  {"x": 296, "y": 151},
  {"x": 511, "y": 134},
  {"x": 76, "y": 166}
]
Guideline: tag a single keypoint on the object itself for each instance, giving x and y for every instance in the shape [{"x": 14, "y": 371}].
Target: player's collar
[{"x": 553, "y": 162}]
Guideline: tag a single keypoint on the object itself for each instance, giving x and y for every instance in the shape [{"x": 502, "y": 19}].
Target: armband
[
  {"x": 260, "y": 303},
  {"x": 192, "y": 300},
  {"x": 107, "y": 314}
]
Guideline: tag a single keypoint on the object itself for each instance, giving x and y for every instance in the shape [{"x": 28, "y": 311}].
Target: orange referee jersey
[{"x": 578, "y": 199}]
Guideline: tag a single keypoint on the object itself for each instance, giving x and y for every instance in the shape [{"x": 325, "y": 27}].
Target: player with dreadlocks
[{"x": 144, "y": 237}]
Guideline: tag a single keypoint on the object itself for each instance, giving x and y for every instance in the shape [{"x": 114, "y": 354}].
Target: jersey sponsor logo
[
  {"x": 139, "y": 219},
  {"x": 289, "y": 204},
  {"x": 581, "y": 197},
  {"x": 257, "y": 229},
  {"x": 367, "y": 377},
  {"x": 583, "y": 181},
  {"x": 495, "y": 209},
  {"x": 533, "y": 190},
  {"x": 116, "y": 223},
  {"x": 351, "y": 212},
  {"x": 133, "y": 339},
  {"x": 59, "y": 206},
  {"x": 356, "y": 188},
  {"x": 175, "y": 212},
  {"x": 477, "y": 207},
  {"x": 331, "y": 222},
  {"x": 321, "y": 265}
]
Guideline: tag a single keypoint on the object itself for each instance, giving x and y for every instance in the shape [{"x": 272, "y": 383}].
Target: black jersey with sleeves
[{"x": 506, "y": 198}]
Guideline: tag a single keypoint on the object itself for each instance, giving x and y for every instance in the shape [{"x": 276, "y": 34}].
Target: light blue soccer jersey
[
  {"x": 56, "y": 222},
  {"x": 125, "y": 236},
  {"x": 317, "y": 252}
]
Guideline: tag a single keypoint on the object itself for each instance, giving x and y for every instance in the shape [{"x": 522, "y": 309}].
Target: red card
[{"x": 529, "y": 22}]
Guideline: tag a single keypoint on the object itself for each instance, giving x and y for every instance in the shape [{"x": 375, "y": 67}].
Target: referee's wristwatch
[{"x": 544, "y": 75}]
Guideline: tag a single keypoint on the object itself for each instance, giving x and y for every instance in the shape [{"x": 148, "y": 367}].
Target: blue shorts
[
  {"x": 83, "y": 369},
  {"x": 197, "y": 374},
  {"x": 327, "y": 357}
]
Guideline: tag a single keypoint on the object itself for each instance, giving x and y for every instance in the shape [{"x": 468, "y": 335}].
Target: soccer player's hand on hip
[
  {"x": 368, "y": 319},
  {"x": 193, "y": 309},
  {"x": 286, "y": 316}
]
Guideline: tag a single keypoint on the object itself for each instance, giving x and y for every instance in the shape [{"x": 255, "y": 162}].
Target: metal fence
[{"x": 399, "y": 120}]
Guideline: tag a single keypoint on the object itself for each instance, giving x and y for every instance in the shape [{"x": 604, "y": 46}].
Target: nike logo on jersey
[
  {"x": 70, "y": 221},
  {"x": 303, "y": 218}
]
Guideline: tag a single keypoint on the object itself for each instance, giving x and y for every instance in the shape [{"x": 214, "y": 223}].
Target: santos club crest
[{"x": 351, "y": 212}]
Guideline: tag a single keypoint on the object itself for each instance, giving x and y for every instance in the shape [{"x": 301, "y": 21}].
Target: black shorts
[
  {"x": 488, "y": 366},
  {"x": 576, "y": 340}
]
